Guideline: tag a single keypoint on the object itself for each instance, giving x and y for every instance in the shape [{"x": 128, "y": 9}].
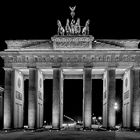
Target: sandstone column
[
  {"x": 8, "y": 99},
  {"x": 87, "y": 98},
  {"x": 57, "y": 107},
  {"x": 109, "y": 95},
  {"x": 32, "y": 105},
  {"x": 61, "y": 98},
  {"x": 128, "y": 82},
  {"x": 40, "y": 98},
  {"x": 1, "y": 107},
  {"x": 111, "y": 98},
  {"x": 136, "y": 99}
]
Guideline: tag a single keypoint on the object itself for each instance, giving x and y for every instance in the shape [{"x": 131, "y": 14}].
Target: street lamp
[
  {"x": 100, "y": 118},
  {"x": 116, "y": 106}
]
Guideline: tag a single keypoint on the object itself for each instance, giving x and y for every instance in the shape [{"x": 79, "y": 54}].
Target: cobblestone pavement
[{"x": 69, "y": 135}]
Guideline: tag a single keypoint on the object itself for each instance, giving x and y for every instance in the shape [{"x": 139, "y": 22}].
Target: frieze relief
[
  {"x": 40, "y": 95},
  {"x": 105, "y": 95},
  {"x": 126, "y": 95},
  {"x": 109, "y": 59},
  {"x": 69, "y": 45},
  {"x": 18, "y": 95}
]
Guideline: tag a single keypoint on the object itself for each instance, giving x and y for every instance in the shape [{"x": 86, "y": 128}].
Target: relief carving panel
[{"x": 106, "y": 59}]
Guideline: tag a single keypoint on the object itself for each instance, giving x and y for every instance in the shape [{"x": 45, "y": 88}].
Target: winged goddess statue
[
  {"x": 72, "y": 11},
  {"x": 60, "y": 30}
]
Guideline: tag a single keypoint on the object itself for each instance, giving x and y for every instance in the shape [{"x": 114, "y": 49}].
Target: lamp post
[{"x": 116, "y": 108}]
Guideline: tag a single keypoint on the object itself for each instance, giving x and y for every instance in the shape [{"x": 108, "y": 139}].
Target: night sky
[{"x": 38, "y": 20}]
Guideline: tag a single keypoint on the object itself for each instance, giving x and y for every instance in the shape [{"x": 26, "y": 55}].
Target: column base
[
  {"x": 134, "y": 128},
  {"x": 111, "y": 128},
  {"x": 57, "y": 129},
  {"x": 87, "y": 128},
  {"x": 7, "y": 129}
]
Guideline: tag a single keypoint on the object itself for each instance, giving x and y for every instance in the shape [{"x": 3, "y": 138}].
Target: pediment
[
  {"x": 28, "y": 44},
  {"x": 118, "y": 43}
]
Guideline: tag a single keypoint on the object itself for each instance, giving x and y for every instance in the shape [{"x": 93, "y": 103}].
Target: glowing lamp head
[
  {"x": 99, "y": 118},
  {"x": 116, "y": 106}
]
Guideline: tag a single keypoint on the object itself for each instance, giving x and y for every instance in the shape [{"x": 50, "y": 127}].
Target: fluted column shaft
[
  {"x": 87, "y": 98},
  {"x": 8, "y": 99},
  {"x": 111, "y": 116},
  {"x": 1, "y": 108},
  {"x": 32, "y": 99},
  {"x": 136, "y": 99},
  {"x": 57, "y": 108}
]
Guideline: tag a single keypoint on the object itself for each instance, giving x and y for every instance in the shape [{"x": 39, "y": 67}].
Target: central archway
[
  {"x": 73, "y": 102},
  {"x": 48, "y": 86},
  {"x": 97, "y": 102}
]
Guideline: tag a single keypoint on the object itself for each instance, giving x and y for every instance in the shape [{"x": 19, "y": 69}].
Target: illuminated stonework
[
  {"x": 70, "y": 55},
  {"x": 72, "y": 42}
]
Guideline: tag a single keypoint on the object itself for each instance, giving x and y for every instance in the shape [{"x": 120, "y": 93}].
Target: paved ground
[{"x": 70, "y": 135}]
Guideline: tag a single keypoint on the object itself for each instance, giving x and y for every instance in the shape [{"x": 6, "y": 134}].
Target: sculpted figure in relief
[
  {"x": 67, "y": 28},
  {"x": 72, "y": 26},
  {"x": 77, "y": 27},
  {"x": 85, "y": 30},
  {"x": 60, "y": 30}
]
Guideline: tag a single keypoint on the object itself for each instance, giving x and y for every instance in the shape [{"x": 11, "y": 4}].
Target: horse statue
[
  {"x": 60, "y": 30},
  {"x": 77, "y": 27},
  {"x": 67, "y": 28},
  {"x": 85, "y": 30}
]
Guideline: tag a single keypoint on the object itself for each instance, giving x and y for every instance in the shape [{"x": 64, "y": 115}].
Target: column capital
[
  {"x": 111, "y": 68},
  {"x": 88, "y": 66},
  {"x": 31, "y": 67},
  {"x": 25, "y": 77},
  {"x": 129, "y": 69},
  {"x": 56, "y": 67},
  {"x": 8, "y": 69},
  {"x": 136, "y": 68}
]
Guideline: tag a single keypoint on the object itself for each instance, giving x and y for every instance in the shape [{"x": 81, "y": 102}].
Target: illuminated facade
[{"x": 71, "y": 54}]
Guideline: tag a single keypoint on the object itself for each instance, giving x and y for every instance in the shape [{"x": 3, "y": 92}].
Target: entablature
[{"x": 72, "y": 58}]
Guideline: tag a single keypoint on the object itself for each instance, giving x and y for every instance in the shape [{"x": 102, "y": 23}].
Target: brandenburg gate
[{"x": 70, "y": 53}]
